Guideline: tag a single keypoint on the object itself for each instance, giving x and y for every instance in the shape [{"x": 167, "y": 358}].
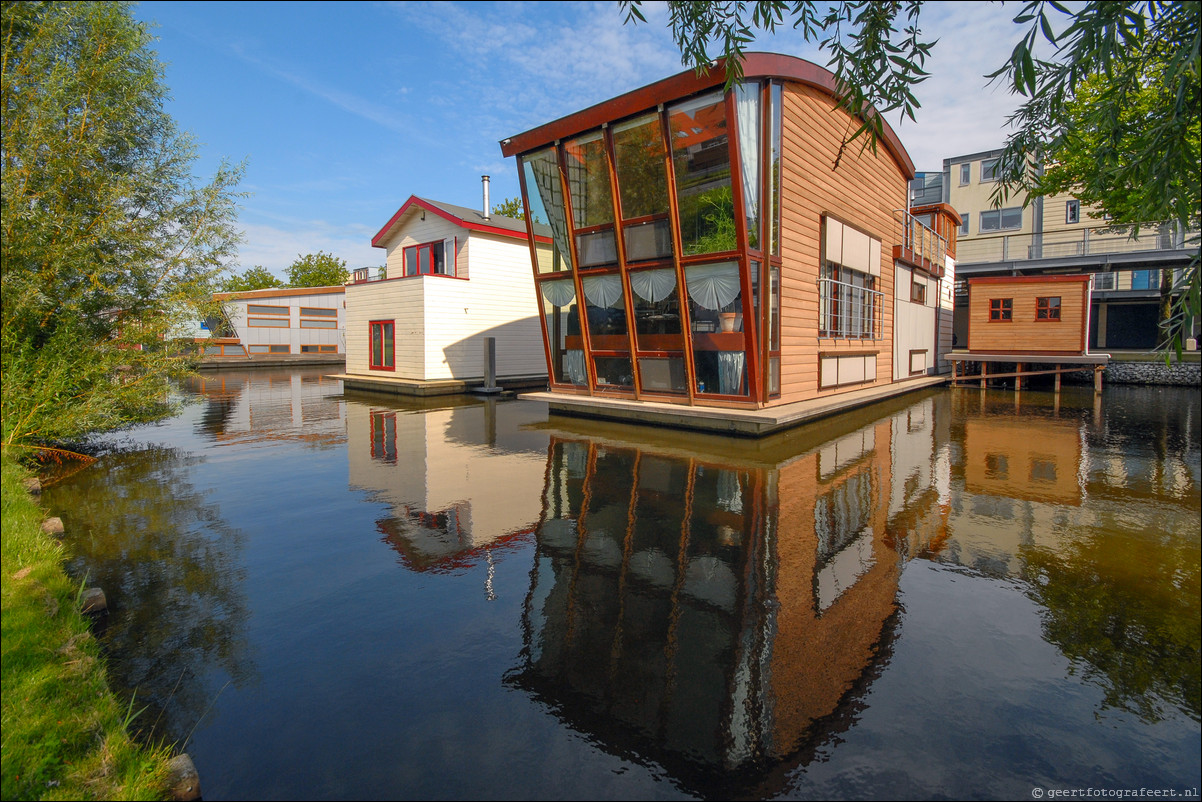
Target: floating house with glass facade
[{"x": 725, "y": 250}]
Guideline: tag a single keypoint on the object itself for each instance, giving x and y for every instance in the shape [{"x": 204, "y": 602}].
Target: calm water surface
[{"x": 952, "y": 595}]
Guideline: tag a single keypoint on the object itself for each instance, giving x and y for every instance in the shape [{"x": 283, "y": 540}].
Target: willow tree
[
  {"x": 878, "y": 55},
  {"x": 109, "y": 243}
]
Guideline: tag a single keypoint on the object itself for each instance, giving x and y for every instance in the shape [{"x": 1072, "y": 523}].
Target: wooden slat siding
[
  {"x": 1025, "y": 334},
  {"x": 399, "y": 300},
  {"x": 864, "y": 192},
  {"x": 500, "y": 302}
]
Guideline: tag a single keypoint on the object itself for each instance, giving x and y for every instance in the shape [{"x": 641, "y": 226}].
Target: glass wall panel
[
  {"x": 592, "y": 200},
  {"x": 639, "y": 160},
  {"x": 608, "y": 332},
  {"x": 563, "y": 331},
  {"x": 701, "y": 162},
  {"x": 747, "y": 111},
  {"x": 643, "y": 188},
  {"x": 658, "y": 330},
  {"x": 649, "y": 240},
  {"x": 774, "y": 330},
  {"x": 774, "y": 167},
  {"x": 544, "y": 202},
  {"x": 719, "y": 347}
]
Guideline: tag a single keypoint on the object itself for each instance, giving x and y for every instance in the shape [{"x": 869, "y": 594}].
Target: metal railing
[
  {"x": 846, "y": 310},
  {"x": 362, "y": 275},
  {"x": 1098, "y": 240},
  {"x": 922, "y": 241}
]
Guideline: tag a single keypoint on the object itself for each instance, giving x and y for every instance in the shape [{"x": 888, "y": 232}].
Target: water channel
[{"x": 956, "y": 594}]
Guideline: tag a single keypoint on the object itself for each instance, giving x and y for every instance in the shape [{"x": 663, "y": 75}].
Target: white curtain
[
  {"x": 545, "y": 168},
  {"x": 713, "y": 286},
  {"x": 573, "y": 367},
  {"x": 747, "y": 106},
  {"x": 559, "y": 292},
  {"x": 653, "y": 285},
  {"x": 730, "y": 372},
  {"x": 603, "y": 291}
]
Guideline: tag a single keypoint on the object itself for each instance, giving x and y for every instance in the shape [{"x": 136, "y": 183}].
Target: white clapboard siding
[
  {"x": 415, "y": 231},
  {"x": 497, "y": 301},
  {"x": 398, "y": 300}
]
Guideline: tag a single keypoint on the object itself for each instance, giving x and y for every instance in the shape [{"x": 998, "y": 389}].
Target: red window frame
[
  {"x": 1001, "y": 310},
  {"x": 424, "y": 259},
  {"x": 387, "y": 332},
  {"x": 1047, "y": 308}
]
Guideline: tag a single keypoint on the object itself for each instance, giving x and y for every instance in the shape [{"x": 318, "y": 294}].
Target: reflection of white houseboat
[
  {"x": 271, "y": 405},
  {"x": 290, "y": 325},
  {"x": 451, "y": 500}
]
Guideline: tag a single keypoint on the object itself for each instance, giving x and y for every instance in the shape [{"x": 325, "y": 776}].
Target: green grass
[{"x": 65, "y": 735}]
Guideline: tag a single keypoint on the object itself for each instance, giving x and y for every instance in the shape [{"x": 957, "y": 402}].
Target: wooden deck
[{"x": 970, "y": 367}]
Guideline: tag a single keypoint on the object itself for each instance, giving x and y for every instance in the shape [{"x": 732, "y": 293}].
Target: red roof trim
[
  {"x": 681, "y": 85},
  {"x": 378, "y": 240}
]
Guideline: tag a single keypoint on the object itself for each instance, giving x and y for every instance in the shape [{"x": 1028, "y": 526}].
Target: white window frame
[
  {"x": 965, "y": 173},
  {"x": 989, "y": 168},
  {"x": 1000, "y": 215}
]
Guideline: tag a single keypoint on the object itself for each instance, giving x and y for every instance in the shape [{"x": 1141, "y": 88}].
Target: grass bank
[{"x": 65, "y": 736}]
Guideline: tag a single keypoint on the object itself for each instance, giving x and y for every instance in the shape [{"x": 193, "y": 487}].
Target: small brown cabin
[{"x": 1028, "y": 315}]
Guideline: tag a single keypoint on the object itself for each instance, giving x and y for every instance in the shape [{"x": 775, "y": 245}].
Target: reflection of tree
[
  {"x": 1127, "y": 611},
  {"x": 168, "y": 566},
  {"x": 588, "y": 177},
  {"x": 642, "y": 179}
]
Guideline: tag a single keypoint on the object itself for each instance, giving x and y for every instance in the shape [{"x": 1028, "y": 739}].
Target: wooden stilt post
[
  {"x": 984, "y": 373},
  {"x": 1057, "y": 379},
  {"x": 1018, "y": 378},
  {"x": 1097, "y": 378}
]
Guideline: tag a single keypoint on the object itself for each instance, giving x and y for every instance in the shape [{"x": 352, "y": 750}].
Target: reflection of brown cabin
[
  {"x": 1041, "y": 315},
  {"x": 1005, "y": 460}
]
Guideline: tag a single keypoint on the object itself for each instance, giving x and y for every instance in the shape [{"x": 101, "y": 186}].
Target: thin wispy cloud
[{"x": 370, "y": 110}]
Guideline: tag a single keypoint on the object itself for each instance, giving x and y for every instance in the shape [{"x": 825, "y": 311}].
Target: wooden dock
[{"x": 973, "y": 368}]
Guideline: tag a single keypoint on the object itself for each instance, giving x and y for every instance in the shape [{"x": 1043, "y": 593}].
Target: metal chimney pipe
[{"x": 484, "y": 180}]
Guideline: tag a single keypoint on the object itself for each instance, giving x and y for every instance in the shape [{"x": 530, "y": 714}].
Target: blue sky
[{"x": 342, "y": 110}]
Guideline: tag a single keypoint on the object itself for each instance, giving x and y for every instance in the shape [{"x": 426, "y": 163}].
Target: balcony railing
[
  {"x": 362, "y": 275},
  {"x": 846, "y": 310},
  {"x": 921, "y": 246},
  {"x": 1097, "y": 241}
]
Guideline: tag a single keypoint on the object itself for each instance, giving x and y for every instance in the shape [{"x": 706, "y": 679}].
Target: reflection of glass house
[
  {"x": 718, "y": 608},
  {"x": 722, "y": 249}
]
